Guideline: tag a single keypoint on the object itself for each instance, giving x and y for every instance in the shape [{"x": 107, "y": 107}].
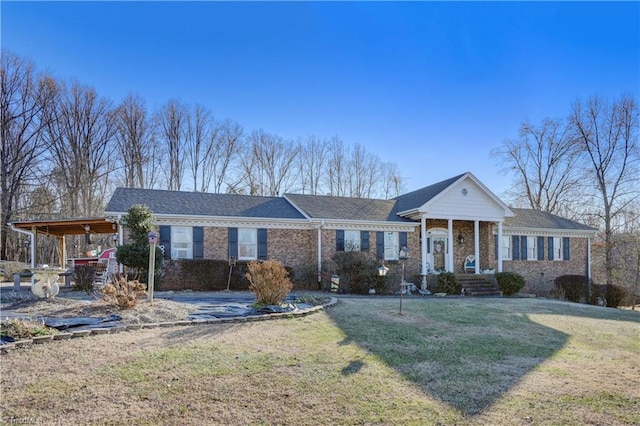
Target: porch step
[{"x": 479, "y": 285}]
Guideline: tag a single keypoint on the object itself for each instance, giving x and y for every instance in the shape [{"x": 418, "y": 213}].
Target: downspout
[
  {"x": 589, "y": 259},
  {"x": 499, "y": 243},
  {"x": 32, "y": 239},
  {"x": 320, "y": 251}
]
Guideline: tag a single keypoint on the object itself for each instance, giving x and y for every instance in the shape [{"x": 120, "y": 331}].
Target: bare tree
[
  {"x": 364, "y": 173},
  {"x": 23, "y": 96},
  {"x": 607, "y": 132},
  {"x": 544, "y": 160},
  {"x": 225, "y": 149},
  {"x": 268, "y": 164},
  {"x": 80, "y": 129},
  {"x": 311, "y": 164},
  {"x": 200, "y": 133},
  {"x": 135, "y": 142},
  {"x": 391, "y": 181},
  {"x": 171, "y": 122},
  {"x": 337, "y": 173}
]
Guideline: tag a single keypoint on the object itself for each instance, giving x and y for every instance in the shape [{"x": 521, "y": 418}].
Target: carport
[{"x": 61, "y": 228}]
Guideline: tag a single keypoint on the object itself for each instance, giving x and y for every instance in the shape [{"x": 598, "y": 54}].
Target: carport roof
[{"x": 63, "y": 227}]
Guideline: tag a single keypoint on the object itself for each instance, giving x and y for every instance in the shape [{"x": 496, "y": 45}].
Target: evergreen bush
[
  {"x": 447, "y": 283},
  {"x": 510, "y": 283}
]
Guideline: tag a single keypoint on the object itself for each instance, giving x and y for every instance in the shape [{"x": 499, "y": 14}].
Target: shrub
[
  {"x": 135, "y": 255},
  {"x": 358, "y": 272},
  {"x": 616, "y": 295},
  {"x": 123, "y": 293},
  {"x": 9, "y": 268},
  {"x": 447, "y": 283},
  {"x": 19, "y": 329},
  {"x": 269, "y": 280},
  {"x": 573, "y": 286},
  {"x": 83, "y": 278},
  {"x": 510, "y": 283}
]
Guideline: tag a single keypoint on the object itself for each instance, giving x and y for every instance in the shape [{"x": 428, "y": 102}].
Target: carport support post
[{"x": 153, "y": 239}]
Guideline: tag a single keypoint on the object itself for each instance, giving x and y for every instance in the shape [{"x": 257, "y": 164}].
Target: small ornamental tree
[
  {"x": 269, "y": 280},
  {"x": 135, "y": 254}
]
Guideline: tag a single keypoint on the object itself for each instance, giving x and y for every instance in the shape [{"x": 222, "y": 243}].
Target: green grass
[{"x": 444, "y": 361}]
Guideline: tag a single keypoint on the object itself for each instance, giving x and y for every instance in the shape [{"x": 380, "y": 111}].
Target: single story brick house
[{"x": 441, "y": 225}]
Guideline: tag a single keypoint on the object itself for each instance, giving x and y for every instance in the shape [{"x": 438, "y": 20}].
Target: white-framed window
[
  {"x": 247, "y": 244},
  {"x": 506, "y": 247},
  {"x": 181, "y": 242},
  {"x": 557, "y": 248},
  {"x": 351, "y": 240},
  {"x": 391, "y": 245},
  {"x": 532, "y": 248}
]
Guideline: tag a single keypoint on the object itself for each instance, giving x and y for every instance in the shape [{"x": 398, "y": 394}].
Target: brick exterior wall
[
  {"x": 539, "y": 274},
  {"x": 297, "y": 248}
]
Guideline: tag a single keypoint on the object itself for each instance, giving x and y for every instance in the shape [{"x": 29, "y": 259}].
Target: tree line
[
  {"x": 585, "y": 166},
  {"x": 64, "y": 148}
]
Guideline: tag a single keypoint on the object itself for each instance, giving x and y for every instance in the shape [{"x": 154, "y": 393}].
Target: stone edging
[{"x": 7, "y": 347}]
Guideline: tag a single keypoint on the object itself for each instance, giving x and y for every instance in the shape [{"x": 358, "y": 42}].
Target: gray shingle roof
[
  {"x": 415, "y": 199},
  {"x": 530, "y": 218},
  {"x": 202, "y": 204},
  {"x": 344, "y": 208}
]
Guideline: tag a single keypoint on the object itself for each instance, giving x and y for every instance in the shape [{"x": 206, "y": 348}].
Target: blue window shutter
[
  {"x": 380, "y": 245},
  {"x": 495, "y": 247},
  {"x": 339, "y": 240},
  {"x": 198, "y": 242},
  {"x": 262, "y": 244},
  {"x": 428, "y": 244},
  {"x": 364, "y": 240},
  {"x": 233, "y": 242},
  {"x": 550, "y": 247},
  {"x": 165, "y": 240},
  {"x": 540, "y": 248},
  {"x": 516, "y": 247},
  {"x": 565, "y": 248},
  {"x": 523, "y": 247},
  {"x": 403, "y": 240}
]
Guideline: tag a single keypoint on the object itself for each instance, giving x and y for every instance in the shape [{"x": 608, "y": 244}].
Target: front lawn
[{"x": 447, "y": 361}]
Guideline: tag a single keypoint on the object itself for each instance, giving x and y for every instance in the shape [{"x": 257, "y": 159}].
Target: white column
[
  {"x": 423, "y": 248},
  {"x": 450, "y": 267},
  {"x": 476, "y": 243},
  {"x": 499, "y": 242}
]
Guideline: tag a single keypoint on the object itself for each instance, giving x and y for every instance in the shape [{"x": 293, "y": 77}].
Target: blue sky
[{"x": 431, "y": 86}]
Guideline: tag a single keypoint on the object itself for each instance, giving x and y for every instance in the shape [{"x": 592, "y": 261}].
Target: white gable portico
[{"x": 449, "y": 213}]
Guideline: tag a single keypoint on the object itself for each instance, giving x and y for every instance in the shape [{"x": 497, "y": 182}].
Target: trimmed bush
[
  {"x": 573, "y": 286},
  {"x": 83, "y": 278},
  {"x": 510, "y": 283},
  {"x": 269, "y": 280},
  {"x": 447, "y": 283}
]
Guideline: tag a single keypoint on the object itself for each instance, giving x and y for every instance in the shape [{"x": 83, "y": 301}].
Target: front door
[{"x": 438, "y": 249}]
